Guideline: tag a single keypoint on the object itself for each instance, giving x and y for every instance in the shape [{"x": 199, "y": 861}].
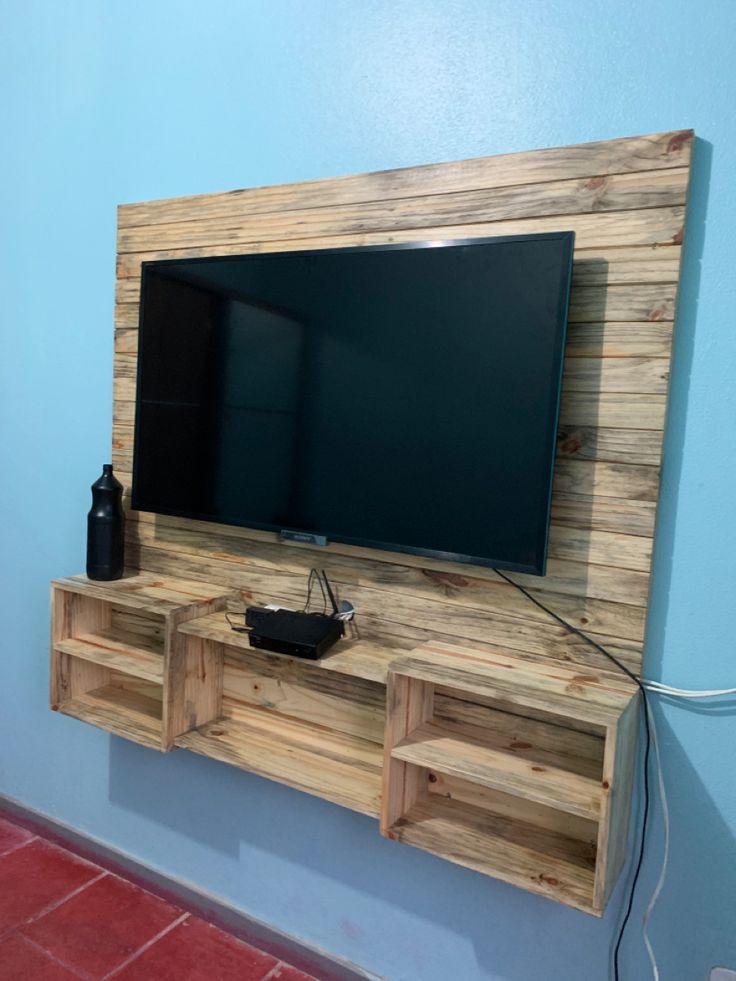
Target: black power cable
[{"x": 647, "y": 746}]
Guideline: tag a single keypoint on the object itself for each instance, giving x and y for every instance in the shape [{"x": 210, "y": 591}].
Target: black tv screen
[{"x": 400, "y": 397}]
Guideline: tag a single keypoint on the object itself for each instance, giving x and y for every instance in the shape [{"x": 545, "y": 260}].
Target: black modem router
[{"x": 299, "y": 634}]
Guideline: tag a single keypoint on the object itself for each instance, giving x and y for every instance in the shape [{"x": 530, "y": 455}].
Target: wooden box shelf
[
  {"x": 118, "y": 662},
  {"x": 519, "y": 768},
  {"x": 541, "y": 801},
  {"x": 314, "y": 725}
]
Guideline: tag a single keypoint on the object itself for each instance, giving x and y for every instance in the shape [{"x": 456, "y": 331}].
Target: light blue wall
[{"x": 106, "y": 102}]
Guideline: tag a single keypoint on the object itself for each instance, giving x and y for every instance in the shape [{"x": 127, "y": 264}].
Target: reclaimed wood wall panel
[{"x": 625, "y": 199}]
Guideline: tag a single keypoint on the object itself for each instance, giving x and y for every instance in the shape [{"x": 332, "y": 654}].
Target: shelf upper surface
[
  {"x": 541, "y": 684},
  {"x": 358, "y": 658},
  {"x": 146, "y": 591}
]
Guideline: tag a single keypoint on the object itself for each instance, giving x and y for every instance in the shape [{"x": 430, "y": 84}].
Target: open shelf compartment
[
  {"x": 121, "y": 708},
  {"x": 336, "y": 766},
  {"x": 117, "y": 661},
  {"x": 518, "y": 770}
]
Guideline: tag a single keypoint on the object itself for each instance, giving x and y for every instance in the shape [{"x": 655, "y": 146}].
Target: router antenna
[{"x": 335, "y": 610}]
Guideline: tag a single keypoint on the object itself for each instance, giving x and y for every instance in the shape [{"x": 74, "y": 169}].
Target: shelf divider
[
  {"x": 113, "y": 650},
  {"x": 467, "y": 752}
]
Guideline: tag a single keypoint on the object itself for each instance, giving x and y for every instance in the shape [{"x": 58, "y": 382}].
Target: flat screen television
[{"x": 400, "y": 397}]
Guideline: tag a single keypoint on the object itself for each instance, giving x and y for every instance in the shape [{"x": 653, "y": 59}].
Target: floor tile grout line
[
  {"x": 18, "y": 846},
  {"x": 59, "y": 902},
  {"x": 271, "y": 974},
  {"x": 132, "y": 882},
  {"x": 76, "y": 971},
  {"x": 141, "y": 950}
]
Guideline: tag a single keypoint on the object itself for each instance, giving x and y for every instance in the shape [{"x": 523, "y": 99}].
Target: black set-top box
[{"x": 305, "y": 635}]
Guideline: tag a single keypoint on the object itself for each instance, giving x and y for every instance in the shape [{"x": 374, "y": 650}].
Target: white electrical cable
[
  {"x": 666, "y": 852},
  {"x": 661, "y": 689}
]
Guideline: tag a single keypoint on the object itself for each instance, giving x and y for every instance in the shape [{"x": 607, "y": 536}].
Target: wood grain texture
[
  {"x": 193, "y": 672},
  {"x": 122, "y": 635},
  {"x": 502, "y": 792},
  {"x": 533, "y": 858},
  {"x": 409, "y": 704},
  {"x": 120, "y": 711},
  {"x": 618, "y": 775},
  {"x": 477, "y": 755},
  {"x": 111, "y": 649},
  {"x": 551, "y": 688},
  {"x": 341, "y": 768},
  {"x": 515, "y": 808}
]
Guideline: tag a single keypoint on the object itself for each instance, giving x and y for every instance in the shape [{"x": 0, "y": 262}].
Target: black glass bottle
[{"x": 105, "y": 527}]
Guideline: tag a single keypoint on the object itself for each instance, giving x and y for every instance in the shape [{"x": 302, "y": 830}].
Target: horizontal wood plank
[
  {"x": 620, "y": 266},
  {"x": 511, "y": 807},
  {"x": 648, "y": 376},
  {"x": 616, "y": 339},
  {"x": 620, "y": 156},
  {"x": 648, "y": 302},
  {"x": 119, "y": 652},
  {"x": 638, "y": 446},
  {"x": 474, "y": 754},
  {"x": 615, "y": 193},
  {"x": 612, "y": 410},
  {"x": 269, "y": 565},
  {"x": 604, "y": 514},
  {"x": 558, "y": 690}
]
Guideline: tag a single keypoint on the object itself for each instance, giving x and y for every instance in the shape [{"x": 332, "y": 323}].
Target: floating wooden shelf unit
[
  {"x": 539, "y": 800},
  {"x": 516, "y": 768},
  {"x": 476, "y": 726},
  {"x": 118, "y": 662}
]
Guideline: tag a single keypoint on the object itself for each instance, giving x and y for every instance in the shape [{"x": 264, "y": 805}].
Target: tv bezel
[{"x": 568, "y": 240}]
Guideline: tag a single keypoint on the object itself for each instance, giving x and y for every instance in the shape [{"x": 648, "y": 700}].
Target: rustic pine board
[
  {"x": 530, "y": 800},
  {"x": 119, "y": 662}
]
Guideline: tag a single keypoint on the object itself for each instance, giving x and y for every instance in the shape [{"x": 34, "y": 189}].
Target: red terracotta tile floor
[{"x": 63, "y": 918}]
